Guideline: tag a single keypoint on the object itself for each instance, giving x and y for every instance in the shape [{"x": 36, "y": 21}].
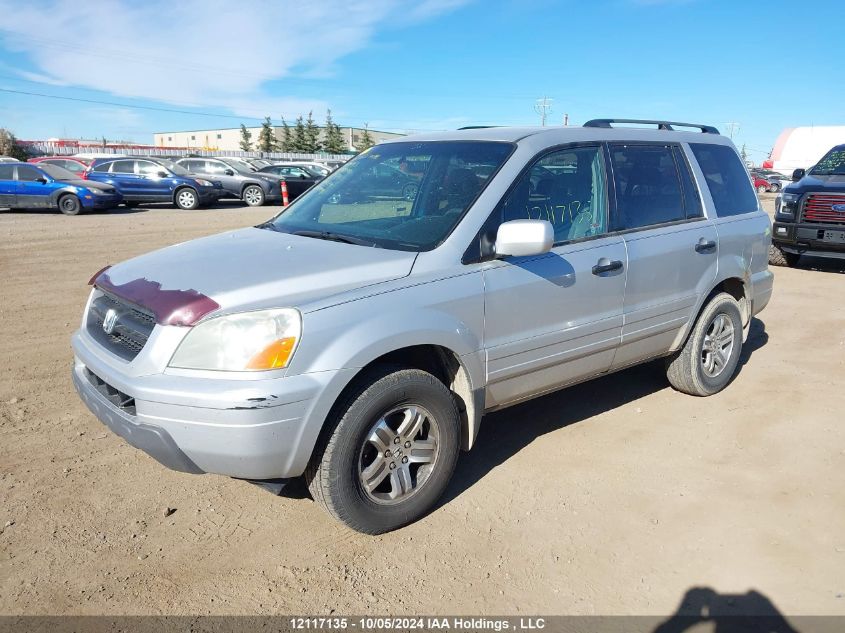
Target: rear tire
[
  {"x": 186, "y": 199},
  {"x": 779, "y": 257},
  {"x": 707, "y": 361},
  {"x": 253, "y": 195},
  {"x": 69, "y": 204},
  {"x": 388, "y": 452}
]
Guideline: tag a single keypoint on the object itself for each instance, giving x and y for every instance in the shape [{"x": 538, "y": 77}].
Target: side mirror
[
  {"x": 42, "y": 180},
  {"x": 162, "y": 174},
  {"x": 229, "y": 172},
  {"x": 798, "y": 174},
  {"x": 524, "y": 237},
  {"x": 302, "y": 177}
]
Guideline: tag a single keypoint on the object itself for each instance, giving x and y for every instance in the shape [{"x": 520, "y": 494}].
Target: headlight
[
  {"x": 204, "y": 182},
  {"x": 786, "y": 202},
  {"x": 250, "y": 341}
]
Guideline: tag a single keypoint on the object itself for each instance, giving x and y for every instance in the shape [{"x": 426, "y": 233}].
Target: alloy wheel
[
  {"x": 399, "y": 454},
  {"x": 718, "y": 345}
]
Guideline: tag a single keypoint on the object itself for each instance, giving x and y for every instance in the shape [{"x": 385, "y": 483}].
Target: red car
[
  {"x": 71, "y": 163},
  {"x": 761, "y": 184}
]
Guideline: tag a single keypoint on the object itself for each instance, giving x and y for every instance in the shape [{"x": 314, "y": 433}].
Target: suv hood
[{"x": 248, "y": 269}]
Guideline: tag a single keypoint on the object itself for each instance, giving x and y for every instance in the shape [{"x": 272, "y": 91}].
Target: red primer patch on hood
[{"x": 170, "y": 307}]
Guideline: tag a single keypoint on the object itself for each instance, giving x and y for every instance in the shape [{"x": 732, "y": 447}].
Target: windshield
[
  {"x": 173, "y": 167},
  {"x": 58, "y": 173},
  {"x": 405, "y": 196},
  {"x": 833, "y": 164}
]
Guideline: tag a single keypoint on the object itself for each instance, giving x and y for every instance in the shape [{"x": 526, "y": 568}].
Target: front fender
[{"x": 446, "y": 312}]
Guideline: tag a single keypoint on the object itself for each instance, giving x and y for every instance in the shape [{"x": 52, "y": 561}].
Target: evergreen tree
[
  {"x": 9, "y": 146},
  {"x": 312, "y": 135},
  {"x": 246, "y": 139},
  {"x": 333, "y": 141},
  {"x": 287, "y": 140},
  {"x": 298, "y": 143},
  {"x": 266, "y": 137},
  {"x": 366, "y": 141}
]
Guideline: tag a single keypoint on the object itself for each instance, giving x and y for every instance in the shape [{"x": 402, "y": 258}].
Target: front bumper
[
  {"x": 250, "y": 429},
  {"x": 101, "y": 202},
  {"x": 808, "y": 238}
]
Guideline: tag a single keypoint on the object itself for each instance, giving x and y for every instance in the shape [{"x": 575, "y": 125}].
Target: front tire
[
  {"x": 187, "y": 199},
  {"x": 69, "y": 204},
  {"x": 389, "y": 451},
  {"x": 779, "y": 257},
  {"x": 762, "y": 189},
  {"x": 708, "y": 360},
  {"x": 253, "y": 195}
]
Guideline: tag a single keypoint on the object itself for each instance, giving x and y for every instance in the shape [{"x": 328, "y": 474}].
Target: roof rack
[
  {"x": 661, "y": 125},
  {"x": 477, "y": 127}
]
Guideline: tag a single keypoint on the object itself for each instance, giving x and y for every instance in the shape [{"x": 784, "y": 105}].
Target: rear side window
[
  {"x": 648, "y": 186},
  {"x": 123, "y": 167},
  {"x": 101, "y": 167},
  {"x": 726, "y": 178}
]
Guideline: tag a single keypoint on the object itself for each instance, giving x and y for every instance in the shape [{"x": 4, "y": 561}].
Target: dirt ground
[{"x": 613, "y": 497}]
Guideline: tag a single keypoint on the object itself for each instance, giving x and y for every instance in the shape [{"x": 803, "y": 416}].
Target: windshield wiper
[{"x": 335, "y": 237}]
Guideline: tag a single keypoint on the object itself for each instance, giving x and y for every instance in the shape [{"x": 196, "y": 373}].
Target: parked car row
[
  {"x": 766, "y": 180},
  {"x": 72, "y": 184}
]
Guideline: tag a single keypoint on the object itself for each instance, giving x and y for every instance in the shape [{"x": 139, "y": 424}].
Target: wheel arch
[
  {"x": 739, "y": 288},
  {"x": 445, "y": 365},
  {"x": 184, "y": 186}
]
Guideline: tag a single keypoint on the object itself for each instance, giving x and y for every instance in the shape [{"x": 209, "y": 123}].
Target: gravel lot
[{"x": 617, "y": 496}]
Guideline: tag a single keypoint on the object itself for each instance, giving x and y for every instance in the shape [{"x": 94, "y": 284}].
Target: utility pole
[
  {"x": 565, "y": 120},
  {"x": 733, "y": 127},
  {"x": 543, "y": 107}
]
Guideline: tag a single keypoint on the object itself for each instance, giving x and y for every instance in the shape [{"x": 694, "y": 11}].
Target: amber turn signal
[{"x": 274, "y": 356}]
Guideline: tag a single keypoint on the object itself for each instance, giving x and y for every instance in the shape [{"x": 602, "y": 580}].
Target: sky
[{"x": 125, "y": 69}]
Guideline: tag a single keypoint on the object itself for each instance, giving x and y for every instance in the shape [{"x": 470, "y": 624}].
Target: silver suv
[{"x": 359, "y": 337}]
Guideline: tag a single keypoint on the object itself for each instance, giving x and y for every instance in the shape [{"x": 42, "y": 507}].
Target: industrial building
[{"x": 229, "y": 139}]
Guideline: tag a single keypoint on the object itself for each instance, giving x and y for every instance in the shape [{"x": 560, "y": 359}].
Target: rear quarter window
[{"x": 726, "y": 179}]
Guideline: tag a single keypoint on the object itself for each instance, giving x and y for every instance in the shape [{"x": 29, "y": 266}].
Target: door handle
[
  {"x": 604, "y": 265},
  {"x": 705, "y": 246}
]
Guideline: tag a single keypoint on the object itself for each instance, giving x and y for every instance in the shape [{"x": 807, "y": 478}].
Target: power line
[
  {"x": 733, "y": 127},
  {"x": 543, "y": 107},
  {"x": 141, "y": 107}
]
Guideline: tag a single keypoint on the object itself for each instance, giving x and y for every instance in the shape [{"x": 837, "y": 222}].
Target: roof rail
[
  {"x": 476, "y": 127},
  {"x": 661, "y": 125}
]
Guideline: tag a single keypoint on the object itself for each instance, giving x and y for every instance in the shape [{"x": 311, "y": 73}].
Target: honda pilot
[{"x": 358, "y": 338}]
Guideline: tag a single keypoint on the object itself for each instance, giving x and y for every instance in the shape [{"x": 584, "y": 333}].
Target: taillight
[{"x": 85, "y": 175}]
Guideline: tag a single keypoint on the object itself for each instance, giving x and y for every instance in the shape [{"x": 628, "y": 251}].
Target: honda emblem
[{"x": 109, "y": 320}]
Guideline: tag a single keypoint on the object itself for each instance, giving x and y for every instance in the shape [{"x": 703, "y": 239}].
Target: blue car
[
  {"x": 154, "y": 180},
  {"x": 28, "y": 186}
]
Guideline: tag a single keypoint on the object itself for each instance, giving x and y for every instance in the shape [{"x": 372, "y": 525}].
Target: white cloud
[{"x": 207, "y": 53}]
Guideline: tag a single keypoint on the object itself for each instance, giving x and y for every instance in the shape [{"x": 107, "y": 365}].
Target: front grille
[
  {"x": 131, "y": 328},
  {"x": 119, "y": 399},
  {"x": 819, "y": 208}
]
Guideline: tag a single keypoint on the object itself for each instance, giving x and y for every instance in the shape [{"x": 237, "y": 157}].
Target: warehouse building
[{"x": 229, "y": 139}]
